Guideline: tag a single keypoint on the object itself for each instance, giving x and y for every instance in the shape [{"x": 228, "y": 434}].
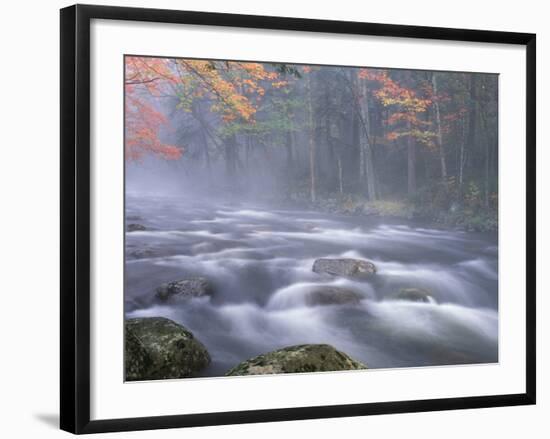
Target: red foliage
[
  {"x": 405, "y": 104},
  {"x": 145, "y": 77},
  {"x": 234, "y": 90}
]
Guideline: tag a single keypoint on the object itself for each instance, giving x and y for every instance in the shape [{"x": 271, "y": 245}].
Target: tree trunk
[
  {"x": 366, "y": 158},
  {"x": 362, "y": 164},
  {"x": 289, "y": 147},
  {"x": 485, "y": 140},
  {"x": 205, "y": 152},
  {"x": 371, "y": 176},
  {"x": 471, "y": 142},
  {"x": 462, "y": 156},
  {"x": 289, "y": 156},
  {"x": 340, "y": 175},
  {"x": 411, "y": 163},
  {"x": 230, "y": 149},
  {"x": 439, "y": 133},
  {"x": 311, "y": 130},
  {"x": 486, "y": 197}
]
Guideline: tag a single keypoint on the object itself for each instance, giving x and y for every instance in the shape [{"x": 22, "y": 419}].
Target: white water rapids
[{"x": 260, "y": 262}]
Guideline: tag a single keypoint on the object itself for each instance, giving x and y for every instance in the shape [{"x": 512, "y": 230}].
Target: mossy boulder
[
  {"x": 157, "y": 348},
  {"x": 414, "y": 295},
  {"x": 296, "y": 359},
  {"x": 346, "y": 267},
  {"x": 184, "y": 289},
  {"x": 136, "y": 358},
  {"x": 331, "y": 295}
]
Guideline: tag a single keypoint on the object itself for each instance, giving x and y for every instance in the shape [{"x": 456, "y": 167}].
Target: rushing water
[{"x": 260, "y": 262}]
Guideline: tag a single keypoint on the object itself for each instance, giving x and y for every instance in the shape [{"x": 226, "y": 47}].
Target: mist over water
[{"x": 259, "y": 258}]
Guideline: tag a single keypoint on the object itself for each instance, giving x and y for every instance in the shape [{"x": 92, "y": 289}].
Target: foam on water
[
  {"x": 248, "y": 213},
  {"x": 446, "y": 322},
  {"x": 481, "y": 266},
  {"x": 217, "y": 220},
  {"x": 260, "y": 263}
]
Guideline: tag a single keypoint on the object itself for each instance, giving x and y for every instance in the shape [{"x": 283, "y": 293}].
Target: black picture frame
[{"x": 75, "y": 217}]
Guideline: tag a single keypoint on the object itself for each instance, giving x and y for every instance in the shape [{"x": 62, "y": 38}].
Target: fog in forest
[{"x": 275, "y": 210}]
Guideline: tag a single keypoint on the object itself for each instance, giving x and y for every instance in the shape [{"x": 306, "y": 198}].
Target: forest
[{"x": 358, "y": 140}]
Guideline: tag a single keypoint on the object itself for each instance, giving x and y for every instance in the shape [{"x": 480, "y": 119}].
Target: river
[{"x": 260, "y": 262}]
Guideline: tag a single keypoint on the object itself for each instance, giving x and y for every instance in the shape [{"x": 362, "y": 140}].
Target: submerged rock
[
  {"x": 184, "y": 289},
  {"x": 157, "y": 348},
  {"x": 134, "y": 227},
  {"x": 331, "y": 295},
  {"x": 140, "y": 253},
  {"x": 309, "y": 226},
  {"x": 295, "y": 359},
  {"x": 415, "y": 295},
  {"x": 344, "y": 267}
]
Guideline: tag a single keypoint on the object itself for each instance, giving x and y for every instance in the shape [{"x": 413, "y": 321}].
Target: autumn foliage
[
  {"x": 319, "y": 129},
  {"x": 233, "y": 89},
  {"x": 407, "y": 106}
]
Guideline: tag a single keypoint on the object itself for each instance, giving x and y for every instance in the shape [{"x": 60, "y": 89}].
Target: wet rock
[
  {"x": 415, "y": 295},
  {"x": 295, "y": 359},
  {"x": 134, "y": 227},
  {"x": 137, "y": 360},
  {"x": 157, "y": 348},
  {"x": 330, "y": 295},
  {"x": 344, "y": 267},
  {"x": 184, "y": 289}
]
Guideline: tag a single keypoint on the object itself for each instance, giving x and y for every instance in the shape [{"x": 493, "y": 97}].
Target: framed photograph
[{"x": 268, "y": 218}]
